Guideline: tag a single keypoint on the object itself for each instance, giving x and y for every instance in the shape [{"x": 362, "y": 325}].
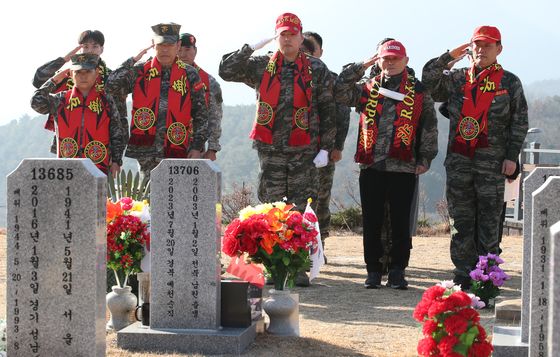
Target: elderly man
[
  {"x": 212, "y": 92},
  {"x": 397, "y": 140},
  {"x": 87, "y": 121},
  {"x": 293, "y": 91},
  {"x": 488, "y": 122},
  {"x": 169, "y": 114}
]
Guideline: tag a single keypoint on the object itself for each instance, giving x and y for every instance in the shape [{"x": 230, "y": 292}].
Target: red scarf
[
  {"x": 269, "y": 94},
  {"x": 68, "y": 83},
  {"x": 83, "y": 127},
  {"x": 145, "y": 102},
  {"x": 408, "y": 112},
  {"x": 205, "y": 81},
  {"x": 479, "y": 92}
]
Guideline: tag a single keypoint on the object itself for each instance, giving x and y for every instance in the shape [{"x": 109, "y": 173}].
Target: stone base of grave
[
  {"x": 225, "y": 341},
  {"x": 507, "y": 342}
]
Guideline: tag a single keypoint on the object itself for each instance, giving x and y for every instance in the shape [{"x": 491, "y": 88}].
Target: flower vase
[
  {"x": 282, "y": 308},
  {"x": 121, "y": 303}
]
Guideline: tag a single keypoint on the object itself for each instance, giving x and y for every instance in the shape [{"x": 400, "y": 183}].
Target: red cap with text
[
  {"x": 288, "y": 22},
  {"x": 392, "y": 48},
  {"x": 486, "y": 34}
]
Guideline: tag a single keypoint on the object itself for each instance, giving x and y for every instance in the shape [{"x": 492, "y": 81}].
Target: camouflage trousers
[
  {"x": 146, "y": 165},
  {"x": 475, "y": 200},
  {"x": 287, "y": 175},
  {"x": 325, "y": 182}
]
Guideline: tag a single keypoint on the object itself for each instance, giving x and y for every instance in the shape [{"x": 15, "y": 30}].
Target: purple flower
[
  {"x": 478, "y": 275},
  {"x": 482, "y": 262},
  {"x": 476, "y": 302},
  {"x": 498, "y": 277},
  {"x": 495, "y": 257}
]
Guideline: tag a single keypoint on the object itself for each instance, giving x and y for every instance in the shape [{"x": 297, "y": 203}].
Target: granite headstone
[
  {"x": 56, "y": 258},
  {"x": 533, "y": 181},
  {"x": 554, "y": 293},
  {"x": 546, "y": 211},
  {"x": 185, "y": 251}
]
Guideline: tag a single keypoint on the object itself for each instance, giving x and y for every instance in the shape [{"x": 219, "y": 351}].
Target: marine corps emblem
[
  {"x": 68, "y": 148},
  {"x": 302, "y": 118},
  {"x": 366, "y": 138},
  {"x": 95, "y": 151},
  {"x": 469, "y": 128},
  {"x": 144, "y": 118},
  {"x": 177, "y": 133},
  {"x": 264, "y": 113}
]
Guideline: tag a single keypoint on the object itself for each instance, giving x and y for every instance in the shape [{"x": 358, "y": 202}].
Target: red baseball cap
[
  {"x": 392, "y": 48},
  {"x": 288, "y": 22},
  {"x": 486, "y": 34}
]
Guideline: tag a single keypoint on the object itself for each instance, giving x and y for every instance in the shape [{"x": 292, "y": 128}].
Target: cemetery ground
[{"x": 338, "y": 317}]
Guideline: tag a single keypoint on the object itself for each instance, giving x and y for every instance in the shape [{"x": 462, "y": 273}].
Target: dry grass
[{"x": 338, "y": 317}]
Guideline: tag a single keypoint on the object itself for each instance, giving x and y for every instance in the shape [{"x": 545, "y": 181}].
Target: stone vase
[
  {"x": 282, "y": 308},
  {"x": 121, "y": 303}
]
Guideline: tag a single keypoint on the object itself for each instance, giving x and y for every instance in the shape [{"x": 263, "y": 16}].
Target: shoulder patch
[{"x": 198, "y": 86}]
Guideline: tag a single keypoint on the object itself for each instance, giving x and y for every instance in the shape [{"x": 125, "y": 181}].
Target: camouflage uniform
[
  {"x": 326, "y": 174},
  {"x": 475, "y": 187},
  {"x": 46, "y": 103},
  {"x": 121, "y": 82},
  {"x": 48, "y": 70},
  {"x": 348, "y": 90},
  {"x": 287, "y": 171},
  {"x": 215, "y": 113}
]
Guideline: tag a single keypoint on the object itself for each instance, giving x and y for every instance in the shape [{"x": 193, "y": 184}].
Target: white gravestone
[
  {"x": 554, "y": 294},
  {"x": 56, "y": 258},
  {"x": 545, "y": 212},
  {"x": 534, "y": 180}
]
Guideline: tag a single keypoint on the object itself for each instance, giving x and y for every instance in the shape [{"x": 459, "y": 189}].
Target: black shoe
[
  {"x": 302, "y": 279},
  {"x": 373, "y": 280},
  {"x": 396, "y": 279},
  {"x": 463, "y": 281}
]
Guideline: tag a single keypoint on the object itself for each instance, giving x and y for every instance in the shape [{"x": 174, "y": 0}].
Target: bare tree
[{"x": 239, "y": 198}]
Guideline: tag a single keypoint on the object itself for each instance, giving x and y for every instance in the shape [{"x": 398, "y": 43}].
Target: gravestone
[
  {"x": 534, "y": 180},
  {"x": 546, "y": 211},
  {"x": 185, "y": 265},
  {"x": 554, "y": 294},
  {"x": 56, "y": 258}
]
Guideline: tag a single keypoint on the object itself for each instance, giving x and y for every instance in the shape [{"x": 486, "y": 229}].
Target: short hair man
[
  {"x": 326, "y": 174},
  {"x": 293, "y": 91},
  {"x": 488, "y": 122},
  {"x": 397, "y": 141},
  {"x": 89, "y": 41},
  {"x": 212, "y": 92},
  {"x": 87, "y": 121},
  {"x": 169, "y": 114}
]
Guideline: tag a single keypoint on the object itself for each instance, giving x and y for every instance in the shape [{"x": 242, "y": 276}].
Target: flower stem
[{"x": 117, "y": 278}]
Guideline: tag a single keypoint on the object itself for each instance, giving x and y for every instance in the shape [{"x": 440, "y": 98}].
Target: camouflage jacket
[
  {"x": 240, "y": 66},
  {"x": 348, "y": 90},
  {"x": 48, "y": 70},
  {"x": 215, "y": 113},
  {"x": 342, "y": 122},
  {"x": 44, "y": 102},
  {"x": 121, "y": 82},
  {"x": 507, "y": 116}
]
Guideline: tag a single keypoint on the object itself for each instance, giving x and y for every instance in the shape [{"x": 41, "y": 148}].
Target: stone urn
[
  {"x": 121, "y": 303},
  {"x": 282, "y": 308}
]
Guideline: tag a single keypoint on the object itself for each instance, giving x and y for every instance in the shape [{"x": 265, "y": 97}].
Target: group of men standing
[{"x": 301, "y": 123}]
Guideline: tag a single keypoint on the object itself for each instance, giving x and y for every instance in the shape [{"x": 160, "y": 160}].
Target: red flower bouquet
[
  {"x": 451, "y": 324},
  {"x": 275, "y": 236},
  {"x": 127, "y": 236}
]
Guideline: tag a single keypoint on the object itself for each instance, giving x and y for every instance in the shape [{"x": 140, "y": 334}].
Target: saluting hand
[
  {"x": 60, "y": 75},
  {"x": 460, "y": 51},
  {"x": 370, "y": 61},
  {"x": 72, "y": 53},
  {"x": 142, "y": 53},
  {"x": 262, "y": 43}
]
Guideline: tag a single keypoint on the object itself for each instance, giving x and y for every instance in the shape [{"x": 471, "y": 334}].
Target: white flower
[
  {"x": 448, "y": 284},
  {"x": 476, "y": 302}
]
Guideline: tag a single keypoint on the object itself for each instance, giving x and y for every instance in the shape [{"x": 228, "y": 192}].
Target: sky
[{"x": 34, "y": 33}]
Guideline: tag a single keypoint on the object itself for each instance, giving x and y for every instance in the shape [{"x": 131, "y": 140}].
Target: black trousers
[{"x": 398, "y": 189}]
